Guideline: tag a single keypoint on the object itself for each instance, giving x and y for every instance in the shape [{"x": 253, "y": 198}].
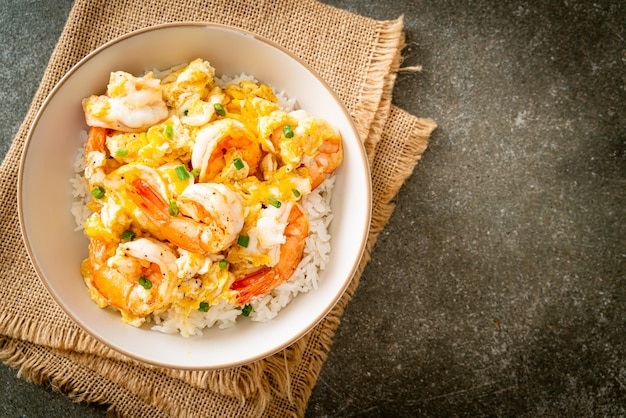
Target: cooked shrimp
[
  {"x": 95, "y": 152},
  {"x": 290, "y": 147},
  {"x": 265, "y": 280},
  {"x": 136, "y": 277},
  {"x": 301, "y": 139},
  {"x": 222, "y": 142},
  {"x": 211, "y": 215},
  {"x": 96, "y": 140},
  {"x": 132, "y": 104},
  {"x": 329, "y": 156}
]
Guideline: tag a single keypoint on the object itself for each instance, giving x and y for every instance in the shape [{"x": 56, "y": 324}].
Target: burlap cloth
[{"x": 359, "y": 57}]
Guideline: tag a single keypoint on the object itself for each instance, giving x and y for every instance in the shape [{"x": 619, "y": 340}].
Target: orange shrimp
[
  {"x": 132, "y": 104},
  {"x": 96, "y": 139},
  {"x": 301, "y": 139},
  {"x": 95, "y": 153},
  {"x": 215, "y": 215},
  {"x": 265, "y": 280},
  {"x": 220, "y": 139},
  {"x": 136, "y": 277},
  {"x": 328, "y": 158}
]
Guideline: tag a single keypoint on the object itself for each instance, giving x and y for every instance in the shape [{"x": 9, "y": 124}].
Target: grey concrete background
[{"x": 497, "y": 289}]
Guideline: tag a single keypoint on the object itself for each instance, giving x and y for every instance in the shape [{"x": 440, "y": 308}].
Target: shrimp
[
  {"x": 222, "y": 142},
  {"x": 266, "y": 279},
  {"x": 96, "y": 140},
  {"x": 328, "y": 158},
  {"x": 210, "y": 218},
  {"x": 136, "y": 277},
  {"x": 132, "y": 104},
  {"x": 329, "y": 153},
  {"x": 302, "y": 140},
  {"x": 95, "y": 153},
  {"x": 289, "y": 147}
]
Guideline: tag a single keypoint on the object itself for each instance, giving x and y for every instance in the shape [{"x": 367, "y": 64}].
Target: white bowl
[{"x": 44, "y": 193}]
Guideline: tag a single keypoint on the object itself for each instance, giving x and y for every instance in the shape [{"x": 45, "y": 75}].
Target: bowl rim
[{"x": 329, "y": 306}]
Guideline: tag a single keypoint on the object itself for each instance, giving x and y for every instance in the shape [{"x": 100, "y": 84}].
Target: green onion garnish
[
  {"x": 246, "y": 310},
  {"x": 173, "y": 209},
  {"x": 145, "y": 283},
  {"x": 121, "y": 152},
  {"x": 295, "y": 192},
  {"x": 128, "y": 235},
  {"x": 204, "y": 307},
  {"x": 243, "y": 241},
  {"x": 238, "y": 163},
  {"x": 274, "y": 202},
  {"x": 181, "y": 172},
  {"x": 168, "y": 131},
  {"x": 219, "y": 109},
  {"x": 288, "y": 131},
  {"x": 223, "y": 264},
  {"x": 186, "y": 112},
  {"x": 98, "y": 192},
  {"x": 195, "y": 172}
]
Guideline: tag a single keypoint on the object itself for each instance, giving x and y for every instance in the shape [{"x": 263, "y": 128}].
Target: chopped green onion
[
  {"x": 195, "y": 172},
  {"x": 238, "y": 163},
  {"x": 173, "y": 209},
  {"x": 274, "y": 202},
  {"x": 181, "y": 172},
  {"x": 121, "y": 152},
  {"x": 128, "y": 235},
  {"x": 246, "y": 310},
  {"x": 223, "y": 264},
  {"x": 219, "y": 109},
  {"x": 145, "y": 283},
  {"x": 288, "y": 131},
  {"x": 98, "y": 192},
  {"x": 186, "y": 112},
  {"x": 243, "y": 241},
  {"x": 204, "y": 307},
  {"x": 295, "y": 192},
  {"x": 168, "y": 131}
]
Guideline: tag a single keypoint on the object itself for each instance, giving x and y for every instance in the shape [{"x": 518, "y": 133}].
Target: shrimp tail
[
  {"x": 256, "y": 284},
  {"x": 326, "y": 162},
  {"x": 113, "y": 288},
  {"x": 96, "y": 139},
  {"x": 148, "y": 200}
]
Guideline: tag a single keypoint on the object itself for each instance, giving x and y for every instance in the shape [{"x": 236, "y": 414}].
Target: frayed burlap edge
[
  {"x": 40, "y": 365},
  {"x": 372, "y": 109}
]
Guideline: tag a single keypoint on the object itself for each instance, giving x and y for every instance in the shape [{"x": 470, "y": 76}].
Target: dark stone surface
[{"x": 497, "y": 288}]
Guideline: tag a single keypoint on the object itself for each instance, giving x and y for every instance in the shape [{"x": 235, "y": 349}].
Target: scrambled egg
[{"x": 163, "y": 137}]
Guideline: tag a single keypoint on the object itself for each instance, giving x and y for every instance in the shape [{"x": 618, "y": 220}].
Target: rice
[{"x": 191, "y": 322}]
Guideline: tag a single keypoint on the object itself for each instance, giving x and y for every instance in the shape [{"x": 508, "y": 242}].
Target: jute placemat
[{"x": 359, "y": 58}]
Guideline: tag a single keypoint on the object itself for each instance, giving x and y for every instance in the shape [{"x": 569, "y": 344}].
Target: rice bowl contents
[{"x": 204, "y": 198}]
